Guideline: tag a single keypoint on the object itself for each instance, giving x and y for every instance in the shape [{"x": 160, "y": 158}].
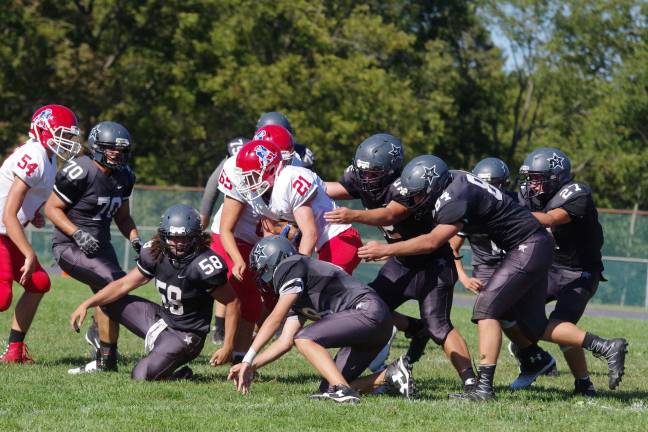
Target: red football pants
[{"x": 11, "y": 260}]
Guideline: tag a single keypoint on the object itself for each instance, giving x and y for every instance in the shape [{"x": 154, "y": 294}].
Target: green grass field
[{"x": 44, "y": 397}]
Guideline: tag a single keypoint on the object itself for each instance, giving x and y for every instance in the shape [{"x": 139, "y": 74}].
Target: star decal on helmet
[
  {"x": 556, "y": 161},
  {"x": 259, "y": 253},
  {"x": 430, "y": 174},
  {"x": 93, "y": 133},
  {"x": 396, "y": 152}
]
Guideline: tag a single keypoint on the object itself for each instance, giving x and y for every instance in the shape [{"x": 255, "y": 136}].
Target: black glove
[
  {"x": 137, "y": 245},
  {"x": 86, "y": 242}
]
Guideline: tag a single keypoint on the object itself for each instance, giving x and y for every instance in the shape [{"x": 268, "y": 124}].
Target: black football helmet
[
  {"x": 306, "y": 155},
  {"x": 423, "y": 180},
  {"x": 274, "y": 118},
  {"x": 180, "y": 232},
  {"x": 110, "y": 144},
  {"x": 235, "y": 144},
  {"x": 494, "y": 171},
  {"x": 543, "y": 172},
  {"x": 266, "y": 256},
  {"x": 377, "y": 163}
]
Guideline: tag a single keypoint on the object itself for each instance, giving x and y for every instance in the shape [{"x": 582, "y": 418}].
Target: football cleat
[
  {"x": 513, "y": 351},
  {"x": 16, "y": 352},
  {"x": 613, "y": 351},
  {"x": 184, "y": 373},
  {"x": 338, "y": 393},
  {"x": 584, "y": 387},
  {"x": 531, "y": 367},
  {"x": 398, "y": 376},
  {"x": 480, "y": 390}
]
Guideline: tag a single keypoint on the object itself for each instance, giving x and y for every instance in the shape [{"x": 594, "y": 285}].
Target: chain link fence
[{"x": 625, "y": 250}]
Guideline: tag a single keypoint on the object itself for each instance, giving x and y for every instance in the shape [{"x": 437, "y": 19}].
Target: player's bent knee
[
  {"x": 439, "y": 334},
  {"x": 6, "y": 295},
  {"x": 40, "y": 283}
]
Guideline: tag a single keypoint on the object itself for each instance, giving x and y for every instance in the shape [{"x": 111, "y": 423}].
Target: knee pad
[
  {"x": 6, "y": 295},
  {"x": 39, "y": 283}
]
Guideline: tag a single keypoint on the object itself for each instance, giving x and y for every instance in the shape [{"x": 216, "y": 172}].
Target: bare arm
[
  {"x": 15, "y": 199},
  {"x": 280, "y": 346},
  {"x": 336, "y": 191},
  {"x": 232, "y": 211},
  {"x": 305, "y": 219},
  {"x": 553, "y": 217},
  {"x": 420, "y": 245},
  {"x": 124, "y": 221},
  {"x": 226, "y": 295},
  {"x": 55, "y": 211},
  {"x": 111, "y": 292},
  {"x": 471, "y": 283}
]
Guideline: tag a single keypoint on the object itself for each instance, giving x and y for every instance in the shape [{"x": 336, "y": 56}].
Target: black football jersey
[
  {"x": 410, "y": 227},
  {"x": 92, "y": 197},
  {"x": 484, "y": 250},
  {"x": 323, "y": 288},
  {"x": 484, "y": 209},
  {"x": 185, "y": 287},
  {"x": 579, "y": 242}
]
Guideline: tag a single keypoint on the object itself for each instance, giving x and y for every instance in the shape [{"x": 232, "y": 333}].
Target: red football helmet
[
  {"x": 281, "y": 137},
  {"x": 56, "y": 128},
  {"x": 258, "y": 163}
]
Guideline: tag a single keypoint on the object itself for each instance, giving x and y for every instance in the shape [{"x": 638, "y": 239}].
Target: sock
[
  {"x": 467, "y": 374},
  {"x": 486, "y": 376},
  {"x": 16, "y": 336},
  {"x": 590, "y": 341},
  {"x": 219, "y": 323},
  {"x": 413, "y": 327},
  {"x": 107, "y": 350}
]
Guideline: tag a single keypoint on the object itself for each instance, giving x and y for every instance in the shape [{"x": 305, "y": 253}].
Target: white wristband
[{"x": 249, "y": 356}]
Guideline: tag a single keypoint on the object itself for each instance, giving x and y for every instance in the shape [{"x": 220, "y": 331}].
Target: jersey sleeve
[
  {"x": 210, "y": 196},
  {"x": 29, "y": 167},
  {"x": 210, "y": 271},
  {"x": 145, "y": 263},
  {"x": 303, "y": 186},
  {"x": 575, "y": 199},
  {"x": 290, "y": 279},
  {"x": 347, "y": 180},
  {"x": 71, "y": 182},
  {"x": 450, "y": 211}
]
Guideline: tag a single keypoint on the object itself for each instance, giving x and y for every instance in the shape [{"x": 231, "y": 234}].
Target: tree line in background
[{"x": 185, "y": 76}]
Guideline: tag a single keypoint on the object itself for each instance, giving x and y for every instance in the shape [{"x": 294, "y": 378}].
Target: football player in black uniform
[
  {"x": 460, "y": 201},
  {"x": 209, "y": 198},
  {"x": 374, "y": 179},
  {"x": 189, "y": 276},
  {"x": 567, "y": 207},
  {"x": 347, "y": 314},
  {"x": 88, "y": 193},
  {"x": 486, "y": 257}
]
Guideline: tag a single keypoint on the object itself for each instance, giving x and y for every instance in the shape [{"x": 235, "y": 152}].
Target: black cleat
[
  {"x": 613, "y": 351},
  {"x": 480, "y": 390},
  {"x": 540, "y": 362},
  {"x": 584, "y": 387},
  {"x": 398, "y": 376},
  {"x": 218, "y": 335},
  {"x": 184, "y": 373},
  {"x": 338, "y": 393},
  {"x": 474, "y": 394}
]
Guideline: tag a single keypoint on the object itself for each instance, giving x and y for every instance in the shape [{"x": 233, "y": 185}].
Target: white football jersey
[
  {"x": 246, "y": 228},
  {"x": 293, "y": 188},
  {"x": 30, "y": 163}
]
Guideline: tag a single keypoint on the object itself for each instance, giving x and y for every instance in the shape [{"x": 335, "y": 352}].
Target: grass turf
[{"x": 44, "y": 397}]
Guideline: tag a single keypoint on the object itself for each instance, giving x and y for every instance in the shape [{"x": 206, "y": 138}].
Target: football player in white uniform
[{"x": 26, "y": 181}]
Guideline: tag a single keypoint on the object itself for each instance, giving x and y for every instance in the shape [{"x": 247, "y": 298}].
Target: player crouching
[
  {"x": 189, "y": 276},
  {"x": 347, "y": 314}
]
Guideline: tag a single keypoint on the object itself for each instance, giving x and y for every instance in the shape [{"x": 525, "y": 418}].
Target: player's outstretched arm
[
  {"x": 281, "y": 345},
  {"x": 394, "y": 212},
  {"x": 111, "y": 292},
  {"x": 242, "y": 373},
  {"x": 420, "y": 245},
  {"x": 210, "y": 195},
  {"x": 336, "y": 191},
  {"x": 125, "y": 222},
  {"x": 557, "y": 216},
  {"x": 226, "y": 295}
]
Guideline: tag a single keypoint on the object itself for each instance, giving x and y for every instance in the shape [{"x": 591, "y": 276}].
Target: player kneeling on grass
[
  {"x": 347, "y": 314},
  {"x": 189, "y": 276}
]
